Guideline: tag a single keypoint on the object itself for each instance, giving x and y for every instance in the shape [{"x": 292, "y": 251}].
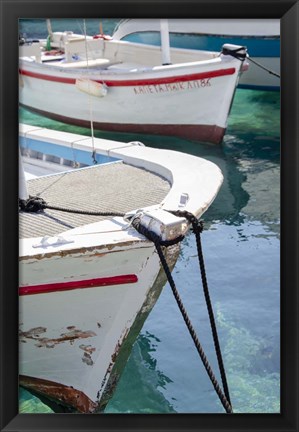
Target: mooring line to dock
[
  {"x": 197, "y": 228},
  {"x": 36, "y": 204},
  {"x": 263, "y": 67}
]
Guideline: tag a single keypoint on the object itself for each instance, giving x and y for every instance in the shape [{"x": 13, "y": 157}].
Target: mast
[
  {"x": 49, "y": 27},
  {"x": 89, "y": 96},
  {"x": 165, "y": 42}
]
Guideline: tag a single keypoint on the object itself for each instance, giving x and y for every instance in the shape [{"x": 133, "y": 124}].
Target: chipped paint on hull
[
  {"x": 93, "y": 384},
  {"x": 59, "y": 393},
  {"x": 58, "y": 268},
  {"x": 124, "y": 346},
  {"x": 44, "y": 342},
  {"x": 94, "y": 251}
]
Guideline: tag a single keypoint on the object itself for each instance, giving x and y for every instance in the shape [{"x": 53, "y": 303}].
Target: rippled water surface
[{"x": 241, "y": 244}]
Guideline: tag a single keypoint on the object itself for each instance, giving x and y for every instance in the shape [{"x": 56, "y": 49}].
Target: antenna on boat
[
  {"x": 89, "y": 97},
  {"x": 165, "y": 42}
]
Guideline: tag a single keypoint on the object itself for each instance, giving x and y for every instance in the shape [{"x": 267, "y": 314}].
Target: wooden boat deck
[{"x": 113, "y": 187}]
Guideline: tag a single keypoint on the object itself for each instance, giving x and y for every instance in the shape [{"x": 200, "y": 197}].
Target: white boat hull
[
  {"x": 85, "y": 292},
  {"x": 190, "y": 100},
  {"x": 95, "y": 306},
  {"x": 260, "y": 36}
]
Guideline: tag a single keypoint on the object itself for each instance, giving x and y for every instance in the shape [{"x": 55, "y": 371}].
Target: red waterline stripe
[
  {"x": 89, "y": 283},
  {"x": 206, "y": 133},
  {"x": 137, "y": 82}
]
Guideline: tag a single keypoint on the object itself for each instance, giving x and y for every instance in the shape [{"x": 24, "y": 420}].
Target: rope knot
[
  {"x": 197, "y": 227},
  {"x": 33, "y": 204}
]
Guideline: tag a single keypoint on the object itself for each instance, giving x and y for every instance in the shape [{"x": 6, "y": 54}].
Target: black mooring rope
[
  {"x": 36, "y": 204},
  {"x": 263, "y": 67},
  {"x": 85, "y": 212},
  {"x": 222, "y": 396},
  {"x": 197, "y": 229},
  {"x": 240, "y": 54}
]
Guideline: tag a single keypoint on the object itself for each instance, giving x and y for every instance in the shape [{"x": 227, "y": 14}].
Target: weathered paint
[
  {"x": 60, "y": 393},
  {"x": 129, "y": 305},
  {"x": 124, "y": 346},
  {"x": 107, "y": 311},
  {"x": 92, "y": 250},
  {"x": 87, "y": 359},
  {"x": 70, "y": 396},
  {"x": 44, "y": 342}
]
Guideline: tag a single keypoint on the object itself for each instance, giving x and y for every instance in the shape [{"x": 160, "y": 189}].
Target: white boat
[
  {"x": 88, "y": 282},
  {"x": 131, "y": 87},
  {"x": 260, "y": 36}
]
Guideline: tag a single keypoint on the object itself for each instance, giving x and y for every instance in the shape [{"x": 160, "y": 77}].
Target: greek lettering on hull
[{"x": 162, "y": 88}]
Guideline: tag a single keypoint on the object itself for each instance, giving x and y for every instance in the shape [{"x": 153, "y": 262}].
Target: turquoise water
[{"x": 241, "y": 244}]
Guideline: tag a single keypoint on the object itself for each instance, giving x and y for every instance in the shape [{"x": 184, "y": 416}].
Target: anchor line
[
  {"x": 263, "y": 67},
  {"x": 197, "y": 228}
]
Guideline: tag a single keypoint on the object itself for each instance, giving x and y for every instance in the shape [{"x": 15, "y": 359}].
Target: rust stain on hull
[
  {"x": 76, "y": 399},
  {"x": 87, "y": 359},
  {"x": 37, "y": 332},
  {"x": 88, "y": 350},
  {"x": 66, "y": 395}
]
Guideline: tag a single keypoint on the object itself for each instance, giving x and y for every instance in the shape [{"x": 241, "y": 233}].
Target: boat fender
[{"x": 91, "y": 87}]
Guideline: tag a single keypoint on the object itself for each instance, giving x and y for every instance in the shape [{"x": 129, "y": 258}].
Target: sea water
[{"x": 241, "y": 245}]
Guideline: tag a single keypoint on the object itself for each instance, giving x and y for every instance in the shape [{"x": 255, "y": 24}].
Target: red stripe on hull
[
  {"x": 136, "y": 82},
  {"x": 66, "y": 286},
  {"x": 205, "y": 133}
]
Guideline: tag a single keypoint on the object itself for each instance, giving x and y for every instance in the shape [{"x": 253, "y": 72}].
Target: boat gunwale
[{"x": 136, "y": 154}]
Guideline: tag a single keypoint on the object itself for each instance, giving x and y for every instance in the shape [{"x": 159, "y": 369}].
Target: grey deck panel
[{"x": 113, "y": 187}]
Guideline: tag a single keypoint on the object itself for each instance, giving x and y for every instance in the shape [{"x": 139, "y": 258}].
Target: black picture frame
[{"x": 288, "y": 12}]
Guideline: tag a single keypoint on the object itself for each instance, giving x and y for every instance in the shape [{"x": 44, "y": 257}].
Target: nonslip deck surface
[{"x": 114, "y": 187}]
